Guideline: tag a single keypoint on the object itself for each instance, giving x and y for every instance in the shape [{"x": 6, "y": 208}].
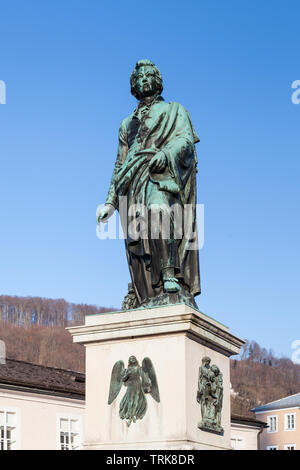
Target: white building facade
[{"x": 36, "y": 413}]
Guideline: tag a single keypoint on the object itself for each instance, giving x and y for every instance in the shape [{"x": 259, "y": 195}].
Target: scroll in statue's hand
[
  {"x": 105, "y": 213},
  {"x": 158, "y": 163}
]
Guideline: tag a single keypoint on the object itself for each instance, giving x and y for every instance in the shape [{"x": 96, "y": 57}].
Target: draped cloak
[{"x": 166, "y": 127}]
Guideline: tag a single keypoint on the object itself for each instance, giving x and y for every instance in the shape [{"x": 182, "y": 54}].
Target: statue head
[
  {"x": 215, "y": 370},
  {"x": 145, "y": 80},
  {"x": 132, "y": 361},
  {"x": 206, "y": 361}
]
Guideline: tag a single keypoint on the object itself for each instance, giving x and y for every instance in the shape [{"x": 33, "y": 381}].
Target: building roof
[
  {"x": 237, "y": 419},
  {"x": 292, "y": 401},
  {"x": 25, "y": 376}
]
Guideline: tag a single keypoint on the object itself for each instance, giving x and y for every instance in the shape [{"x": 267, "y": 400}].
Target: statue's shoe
[{"x": 171, "y": 285}]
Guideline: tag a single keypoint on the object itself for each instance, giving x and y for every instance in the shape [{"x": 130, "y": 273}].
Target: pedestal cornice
[{"x": 167, "y": 320}]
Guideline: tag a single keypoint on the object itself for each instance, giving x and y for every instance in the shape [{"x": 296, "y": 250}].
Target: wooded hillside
[
  {"x": 259, "y": 377},
  {"x": 33, "y": 329},
  {"x": 27, "y": 311},
  {"x": 41, "y": 345}
]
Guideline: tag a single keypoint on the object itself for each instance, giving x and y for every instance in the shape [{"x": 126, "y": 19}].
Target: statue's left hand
[{"x": 158, "y": 163}]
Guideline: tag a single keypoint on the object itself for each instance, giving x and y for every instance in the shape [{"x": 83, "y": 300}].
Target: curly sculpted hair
[{"x": 158, "y": 77}]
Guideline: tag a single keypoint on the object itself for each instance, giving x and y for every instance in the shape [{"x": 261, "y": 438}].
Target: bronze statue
[
  {"x": 203, "y": 384},
  {"x": 219, "y": 393},
  {"x": 139, "y": 381},
  {"x": 155, "y": 174},
  {"x": 210, "y": 396}
]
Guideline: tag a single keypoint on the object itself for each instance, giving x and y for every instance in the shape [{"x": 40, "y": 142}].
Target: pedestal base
[{"x": 175, "y": 338}]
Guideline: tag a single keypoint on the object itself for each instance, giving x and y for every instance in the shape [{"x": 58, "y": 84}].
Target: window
[
  {"x": 290, "y": 422},
  {"x": 290, "y": 447},
  {"x": 272, "y": 423},
  {"x": 272, "y": 447},
  {"x": 237, "y": 444},
  {"x": 7, "y": 430},
  {"x": 69, "y": 433}
]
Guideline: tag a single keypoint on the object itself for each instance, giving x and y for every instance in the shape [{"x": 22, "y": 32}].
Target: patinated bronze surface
[
  {"x": 155, "y": 170},
  {"x": 139, "y": 381},
  {"x": 210, "y": 396}
]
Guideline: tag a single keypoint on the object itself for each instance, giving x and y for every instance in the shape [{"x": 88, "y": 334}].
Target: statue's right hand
[
  {"x": 158, "y": 163},
  {"x": 105, "y": 213}
]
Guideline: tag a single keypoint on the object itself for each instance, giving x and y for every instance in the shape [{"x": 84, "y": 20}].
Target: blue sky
[{"x": 66, "y": 65}]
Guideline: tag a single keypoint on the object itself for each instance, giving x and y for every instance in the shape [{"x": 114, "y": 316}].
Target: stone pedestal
[{"x": 175, "y": 338}]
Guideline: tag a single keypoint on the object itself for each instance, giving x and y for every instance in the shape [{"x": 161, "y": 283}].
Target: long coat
[{"x": 165, "y": 127}]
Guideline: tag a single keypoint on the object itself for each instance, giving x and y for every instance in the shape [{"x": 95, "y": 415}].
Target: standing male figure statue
[
  {"x": 210, "y": 396},
  {"x": 155, "y": 173}
]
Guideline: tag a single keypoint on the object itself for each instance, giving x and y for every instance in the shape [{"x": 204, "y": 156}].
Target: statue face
[
  {"x": 206, "y": 362},
  {"x": 132, "y": 361},
  {"x": 145, "y": 81}
]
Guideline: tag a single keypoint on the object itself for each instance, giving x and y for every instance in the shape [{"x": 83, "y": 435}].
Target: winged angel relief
[{"x": 139, "y": 381}]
